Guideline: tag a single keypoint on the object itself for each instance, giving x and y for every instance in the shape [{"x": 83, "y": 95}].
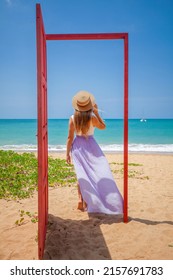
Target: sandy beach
[{"x": 72, "y": 234}]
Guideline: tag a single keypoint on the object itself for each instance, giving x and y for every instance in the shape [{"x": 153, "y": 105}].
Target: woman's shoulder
[{"x": 71, "y": 120}]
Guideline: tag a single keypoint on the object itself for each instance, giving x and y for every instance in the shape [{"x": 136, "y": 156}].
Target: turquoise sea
[{"x": 151, "y": 135}]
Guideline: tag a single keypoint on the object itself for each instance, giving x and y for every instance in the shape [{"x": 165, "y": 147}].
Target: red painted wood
[
  {"x": 42, "y": 132},
  {"x": 110, "y": 36},
  {"x": 92, "y": 36},
  {"x": 42, "y": 118},
  {"x": 126, "y": 129}
]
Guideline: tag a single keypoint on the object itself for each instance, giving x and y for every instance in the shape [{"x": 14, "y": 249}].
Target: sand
[{"x": 72, "y": 234}]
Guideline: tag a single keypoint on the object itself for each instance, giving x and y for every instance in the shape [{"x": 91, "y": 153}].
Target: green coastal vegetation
[{"x": 18, "y": 174}]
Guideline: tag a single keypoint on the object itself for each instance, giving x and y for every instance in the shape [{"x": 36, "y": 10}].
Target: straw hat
[{"x": 83, "y": 101}]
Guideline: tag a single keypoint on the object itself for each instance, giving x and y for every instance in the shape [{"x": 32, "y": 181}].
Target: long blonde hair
[{"x": 82, "y": 121}]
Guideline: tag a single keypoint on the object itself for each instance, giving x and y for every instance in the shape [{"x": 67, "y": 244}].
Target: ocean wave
[
  {"x": 22, "y": 148},
  {"x": 138, "y": 148}
]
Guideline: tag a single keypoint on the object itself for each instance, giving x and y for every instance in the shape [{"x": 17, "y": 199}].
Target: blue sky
[{"x": 96, "y": 66}]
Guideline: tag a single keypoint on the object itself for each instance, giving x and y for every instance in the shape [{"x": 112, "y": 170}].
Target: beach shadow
[
  {"x": 149, "y": 222},
  {"x": 106, "y": 218},
  {"x": 68, "y": 239}
]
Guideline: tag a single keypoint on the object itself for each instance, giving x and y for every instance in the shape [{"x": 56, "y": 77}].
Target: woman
[{"x": 96, "y": 186}]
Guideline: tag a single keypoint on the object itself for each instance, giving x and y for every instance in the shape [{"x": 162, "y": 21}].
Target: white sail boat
[{"x": 143, "y": 120}]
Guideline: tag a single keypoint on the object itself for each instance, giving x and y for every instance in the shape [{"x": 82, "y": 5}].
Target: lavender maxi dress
[{"x": 95, "y": 178}]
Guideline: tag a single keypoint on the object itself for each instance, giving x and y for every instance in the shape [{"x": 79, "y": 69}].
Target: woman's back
[{"x": 90, "y": 130}]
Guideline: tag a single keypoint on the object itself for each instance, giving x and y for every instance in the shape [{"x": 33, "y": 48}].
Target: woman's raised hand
[{"x": 95, "y": 109}]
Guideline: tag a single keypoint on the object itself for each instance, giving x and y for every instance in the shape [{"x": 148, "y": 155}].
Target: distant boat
[{"x": 143, "y": 120}]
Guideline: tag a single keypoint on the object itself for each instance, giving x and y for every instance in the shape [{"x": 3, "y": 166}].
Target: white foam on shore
[{"x": 137, "y": 148}]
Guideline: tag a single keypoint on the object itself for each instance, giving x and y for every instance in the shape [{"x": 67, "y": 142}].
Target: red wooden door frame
[
  {"x": 110, "y": 36},
  {"x": 42, "y": 132},
  {"x": 42, "y": 111}
]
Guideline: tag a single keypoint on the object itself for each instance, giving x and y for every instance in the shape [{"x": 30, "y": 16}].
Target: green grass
[
  {"x": 129, "y": 164},
  {"x": 136, "y": 174},
  {"x": 24, "y": 215},
  {"x": 18, "y": 174},
  {"x": 60, "y": 173}
]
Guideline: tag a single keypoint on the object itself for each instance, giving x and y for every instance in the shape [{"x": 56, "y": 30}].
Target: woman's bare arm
[
  {"x": 97, "y": 120},
  {"x": 69, "y": 140}
]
